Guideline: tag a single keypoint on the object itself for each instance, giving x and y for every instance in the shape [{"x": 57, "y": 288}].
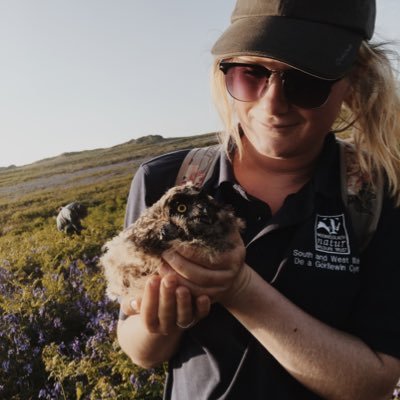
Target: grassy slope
[{"x": 30, "y": 195}]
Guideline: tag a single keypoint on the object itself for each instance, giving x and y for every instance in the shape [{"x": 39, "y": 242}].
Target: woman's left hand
[{"x": 220, "y": 280}]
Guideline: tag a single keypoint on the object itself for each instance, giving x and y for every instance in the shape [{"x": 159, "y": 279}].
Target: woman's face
[{"x": 278, "y": 129}]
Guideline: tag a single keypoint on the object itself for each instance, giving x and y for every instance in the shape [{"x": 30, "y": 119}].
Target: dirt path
[{"x": 84, "y": 176}]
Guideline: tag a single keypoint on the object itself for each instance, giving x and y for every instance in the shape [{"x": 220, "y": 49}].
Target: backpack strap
[
  {"x": 198, "y": 165},
  {"x": 362, "y": 200}
]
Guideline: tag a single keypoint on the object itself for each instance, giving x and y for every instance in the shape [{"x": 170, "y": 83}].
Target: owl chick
[{"x": 183, "y": 216}]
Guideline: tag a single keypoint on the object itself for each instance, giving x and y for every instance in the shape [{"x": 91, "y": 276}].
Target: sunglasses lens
[
  {"x": 304, "y": 90},
  {"x": 246, "y": 82}
]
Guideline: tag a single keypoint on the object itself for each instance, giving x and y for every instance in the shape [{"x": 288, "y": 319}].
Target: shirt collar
[{"x": 326, "y": 178}]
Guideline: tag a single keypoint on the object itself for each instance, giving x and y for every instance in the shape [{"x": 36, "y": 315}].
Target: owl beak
[
  {"x": 205, "y": 220},
  {"x": 168, "y": 232},
  {"x": 205, "y": 217}
]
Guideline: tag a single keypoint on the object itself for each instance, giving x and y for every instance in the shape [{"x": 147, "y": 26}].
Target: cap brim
[{"x": 318, "y": 49}]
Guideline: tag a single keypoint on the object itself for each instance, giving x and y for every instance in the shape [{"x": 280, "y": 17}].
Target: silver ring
[{"x": 186, "y": 326}]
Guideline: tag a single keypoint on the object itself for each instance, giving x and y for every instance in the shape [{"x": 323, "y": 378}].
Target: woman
[{"x": 296, "y": 310}]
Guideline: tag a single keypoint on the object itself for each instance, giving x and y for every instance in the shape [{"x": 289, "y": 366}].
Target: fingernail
[
  {"x": 169, "y": 282},
  {"x": 163, "y": 269},
  {"x": 168, "y": 254},
  {"x": 181, "y": 292},
  {"x": 134, "y": 304}
]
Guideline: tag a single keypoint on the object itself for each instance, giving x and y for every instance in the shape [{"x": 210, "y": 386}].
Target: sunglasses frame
[{"x": 284, "y": 76}]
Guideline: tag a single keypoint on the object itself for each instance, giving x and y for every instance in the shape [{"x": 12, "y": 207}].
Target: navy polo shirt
[{"x": 308, "y": 252}]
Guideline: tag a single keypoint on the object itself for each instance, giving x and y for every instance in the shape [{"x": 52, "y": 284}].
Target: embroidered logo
[{"x": 331, "y": 234}]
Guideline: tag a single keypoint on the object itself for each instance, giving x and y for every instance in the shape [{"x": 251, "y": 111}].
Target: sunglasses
[{"x": 249, "y": 82}]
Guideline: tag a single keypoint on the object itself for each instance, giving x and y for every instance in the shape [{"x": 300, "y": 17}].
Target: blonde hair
[{"x": 370, "y": 116}]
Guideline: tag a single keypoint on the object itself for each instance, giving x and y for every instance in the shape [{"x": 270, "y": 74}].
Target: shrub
[{"x": 57, "y": 338}]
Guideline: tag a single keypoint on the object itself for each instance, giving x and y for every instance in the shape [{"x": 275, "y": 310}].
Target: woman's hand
[
  {"x": 220, "y": 280},
  {"x": 166, "y": 307},
  {"x": 151, "y": 335}
]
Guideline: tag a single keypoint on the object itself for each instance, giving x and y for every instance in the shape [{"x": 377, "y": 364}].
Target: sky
[{"x": 86, "y": 74}]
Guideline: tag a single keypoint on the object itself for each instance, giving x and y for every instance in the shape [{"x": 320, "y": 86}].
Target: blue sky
[{"x": 84, "y": 74}]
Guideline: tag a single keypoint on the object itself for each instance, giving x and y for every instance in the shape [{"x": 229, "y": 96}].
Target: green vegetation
[{"x": 57, "y": 329}]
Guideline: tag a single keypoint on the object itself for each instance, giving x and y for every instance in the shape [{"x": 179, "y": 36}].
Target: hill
[
  {"x": 79, "y": 175},
  {"x": 57, "y": 329},
  {"x": 85, "y": 167}
]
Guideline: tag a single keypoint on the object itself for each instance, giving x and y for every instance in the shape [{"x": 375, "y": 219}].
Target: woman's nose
[{"x": 274, "y": 100}]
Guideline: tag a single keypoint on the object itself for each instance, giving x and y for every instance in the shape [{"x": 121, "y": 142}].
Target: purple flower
[
  {"x": 76, "y": 346},
  {"x": 135, "y": 382},
  {"x": 57, "y": 387},
  {"x": 80, "y": 323},
  {"x": 57, "y": 322},
  {"x": 5, "y": 365}
]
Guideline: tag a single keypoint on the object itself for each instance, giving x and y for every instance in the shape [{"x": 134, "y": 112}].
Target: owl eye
[{"x": 181, "y": 208}]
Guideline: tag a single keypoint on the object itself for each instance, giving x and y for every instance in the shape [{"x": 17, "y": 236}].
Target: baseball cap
[{"x": 320, "y": 37}]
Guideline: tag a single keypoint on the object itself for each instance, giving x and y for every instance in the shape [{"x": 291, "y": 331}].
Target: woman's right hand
[
  {"x": 166, "y": 307},
  {"x": 151, "y": 335}
]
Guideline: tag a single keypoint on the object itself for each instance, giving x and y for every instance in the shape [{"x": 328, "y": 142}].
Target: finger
[
  {"x": 150, "y": 302},
  {"x": 185, "y": 315},
  {"x": 129, "y": 305},
  {"x": 135, "y": 304},
  {"x": 196, "y": 290},
  {"x": 203, "y": 306},
  {"x": 165, "y": 269},
  {"x": 167, "y": 304},
  {"x": 223, "y": 259},
  {"x": 207, "y": 259},
  {"x": 197, "y": 273}
]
